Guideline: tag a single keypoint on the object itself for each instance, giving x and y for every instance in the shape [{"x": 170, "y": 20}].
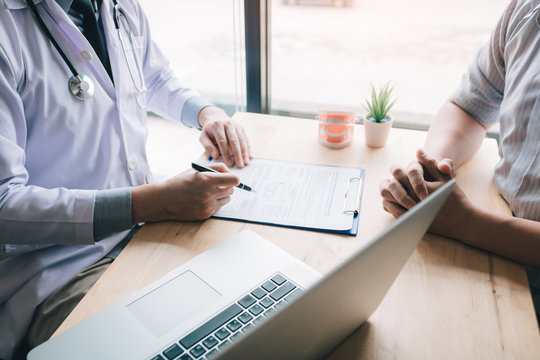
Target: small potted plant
[{"x": 377, "y": 122}]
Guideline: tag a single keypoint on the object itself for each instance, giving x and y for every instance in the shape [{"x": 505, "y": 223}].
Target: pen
[{"x": 201, "y": 168}]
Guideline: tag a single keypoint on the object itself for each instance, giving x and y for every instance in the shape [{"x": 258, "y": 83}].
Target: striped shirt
[{"x": 503, "y": 85}]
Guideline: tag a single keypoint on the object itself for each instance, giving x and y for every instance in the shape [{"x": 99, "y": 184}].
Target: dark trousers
[{"x": 50, "y": 314}]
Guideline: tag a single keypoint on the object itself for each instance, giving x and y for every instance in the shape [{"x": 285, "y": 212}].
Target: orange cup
[{"x": 336, "y": 128}]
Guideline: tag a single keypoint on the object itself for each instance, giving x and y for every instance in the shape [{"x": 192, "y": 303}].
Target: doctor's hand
[
  {"x": 187, "y": 196},
  {"x": 224, "y": 136},
  {"x": 409, "y": 185}
]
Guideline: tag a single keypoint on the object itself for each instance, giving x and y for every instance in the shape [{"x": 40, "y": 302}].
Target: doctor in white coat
[{"x": 74, "y": 175}]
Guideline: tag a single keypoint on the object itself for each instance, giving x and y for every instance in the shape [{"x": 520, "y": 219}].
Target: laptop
[{"x": 246, "y": 298}]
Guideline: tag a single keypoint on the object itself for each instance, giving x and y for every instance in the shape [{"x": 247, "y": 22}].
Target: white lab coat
[{"x": 56, "y": 151}]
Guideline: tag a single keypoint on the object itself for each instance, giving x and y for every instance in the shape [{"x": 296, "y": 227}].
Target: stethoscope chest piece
[{"x": 81, "y": 86}]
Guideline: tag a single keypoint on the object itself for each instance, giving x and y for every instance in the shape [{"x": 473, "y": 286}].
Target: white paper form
[{"x": 293, "y": 194}]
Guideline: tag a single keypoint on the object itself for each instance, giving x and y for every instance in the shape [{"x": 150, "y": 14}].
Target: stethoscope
[{"x": 80, "y": 85}]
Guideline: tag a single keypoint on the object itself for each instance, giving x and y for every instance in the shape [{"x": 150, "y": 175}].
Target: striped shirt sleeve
[{"x": 482, "y": 86}]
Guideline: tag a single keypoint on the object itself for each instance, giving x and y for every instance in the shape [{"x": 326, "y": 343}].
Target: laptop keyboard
[{"x": 224, "y": 328}]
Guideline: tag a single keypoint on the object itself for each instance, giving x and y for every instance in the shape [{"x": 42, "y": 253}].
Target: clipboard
[{"x": 336, "y": 210}]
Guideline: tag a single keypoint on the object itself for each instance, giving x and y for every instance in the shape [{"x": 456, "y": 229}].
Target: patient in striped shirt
[{"x": 502, "y": 85}]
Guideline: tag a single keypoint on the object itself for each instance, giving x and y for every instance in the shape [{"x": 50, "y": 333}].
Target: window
[
  {"x": 323, "y": 54},
  {"x": 326, "y": 53},
  {"x": 203, "y": 40}
]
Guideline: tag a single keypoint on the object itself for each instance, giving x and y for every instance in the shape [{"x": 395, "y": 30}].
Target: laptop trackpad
[{"x": 173, "y": 302}]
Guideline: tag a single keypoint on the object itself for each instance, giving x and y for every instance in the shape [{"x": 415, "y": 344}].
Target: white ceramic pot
[{"x": 377, "y": 133}]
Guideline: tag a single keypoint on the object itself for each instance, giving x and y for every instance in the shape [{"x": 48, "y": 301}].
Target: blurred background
[{"x": 324, "y": 54}]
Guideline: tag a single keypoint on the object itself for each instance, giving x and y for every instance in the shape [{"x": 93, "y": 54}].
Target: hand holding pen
[
  {"x": 202, "y": 168},
  {"x": 186, "y": 196}
]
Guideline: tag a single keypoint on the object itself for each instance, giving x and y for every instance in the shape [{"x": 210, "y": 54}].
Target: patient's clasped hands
[{"x": 410, "y": 185}]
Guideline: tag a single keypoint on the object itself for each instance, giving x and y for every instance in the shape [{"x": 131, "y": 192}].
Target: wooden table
[{"x": 451, "y": 301}]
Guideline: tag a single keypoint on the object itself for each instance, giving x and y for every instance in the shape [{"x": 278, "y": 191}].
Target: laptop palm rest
[{"x": 162, "y": 309}]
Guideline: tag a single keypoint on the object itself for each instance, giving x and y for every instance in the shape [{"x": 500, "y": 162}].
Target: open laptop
[{"x": 246, "y": 298}]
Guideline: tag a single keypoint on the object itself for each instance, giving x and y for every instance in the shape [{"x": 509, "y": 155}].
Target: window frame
[{"x": 257, "y": 40}]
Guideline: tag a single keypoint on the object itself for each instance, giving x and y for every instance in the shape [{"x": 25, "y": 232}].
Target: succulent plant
[{"x": 380, "y": 103}]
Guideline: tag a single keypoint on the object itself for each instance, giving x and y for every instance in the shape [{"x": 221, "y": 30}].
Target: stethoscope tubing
[
  {"x": 116, "y": 16},
  {"x": 51, "y": 37},
  {"x": 75, "y": 82}
]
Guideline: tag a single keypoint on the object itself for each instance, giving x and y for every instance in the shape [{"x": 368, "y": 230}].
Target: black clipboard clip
[{"x": 356, "y": 209}]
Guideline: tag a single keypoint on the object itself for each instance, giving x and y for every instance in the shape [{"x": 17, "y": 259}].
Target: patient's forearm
[
  {"x": 454, "y": 134},
  {"x": 515, "y": 238}
]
